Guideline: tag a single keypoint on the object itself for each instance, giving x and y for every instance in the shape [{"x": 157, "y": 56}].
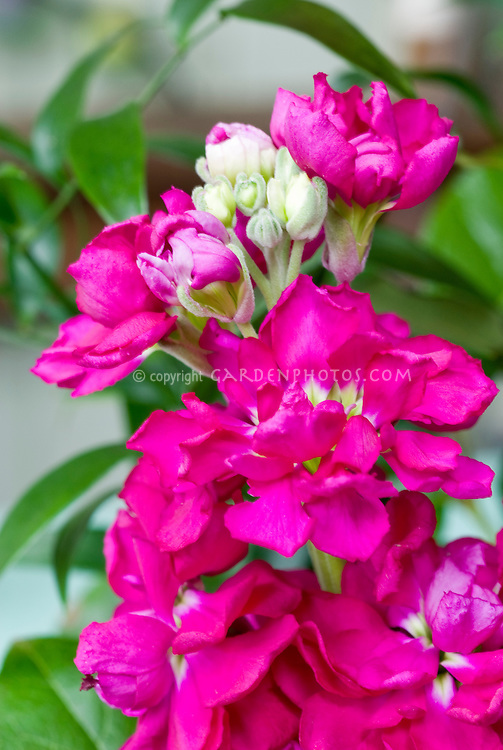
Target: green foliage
[
  {"x": 52, "y": 494},
  {"x": 329, "y": 28},
  {"x": 41, "y": 707},
  {"x": 62, "y": 113},
  {"x": 464, "y": 230},
  {"x": 183, "y": 148},
  {"x": 108, "y": 158},
  {"x": 182, "y": 16}
]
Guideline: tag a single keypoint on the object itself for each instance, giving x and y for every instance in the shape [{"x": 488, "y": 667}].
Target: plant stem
[
  {"x": 295, "y": 261},
  {"x": 158, "y": 80},
  {"x": 328, "y": 569},
  {"x": 247, "y": 330}
]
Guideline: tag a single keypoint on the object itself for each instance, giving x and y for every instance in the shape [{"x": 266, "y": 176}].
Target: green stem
[
  {"x": 247, "y": 330},
  {"x": 159, "y": 79},
  {"x": 328, "y": 569},
  {"x": 258, "y": 277},
  {"x": 27, "y": 236},
  {"x": 52, "y": 285},
  {"x": 295, "y": 261}
]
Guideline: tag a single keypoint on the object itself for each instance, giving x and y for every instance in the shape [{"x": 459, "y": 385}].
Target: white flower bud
[
  {"x": 264, "y": 229},
  {"x": 305, "y": 206}
]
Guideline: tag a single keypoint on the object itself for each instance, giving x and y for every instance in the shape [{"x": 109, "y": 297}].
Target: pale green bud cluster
[
  {"x": 298, "y": 202},
  {"x": 218, "y": 199}
]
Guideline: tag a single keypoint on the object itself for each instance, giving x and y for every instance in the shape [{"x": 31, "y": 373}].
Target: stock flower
[
  {"x": 235, "y": 148},
  {"x": 367, "y": 152},
  {"x": 178, "y": 665},
  {"x": 121, "y": 317},
  {"x": 312, "y": 403},
  {"x": 185, "y": 260},
  {"x": 440, "y": 602}
]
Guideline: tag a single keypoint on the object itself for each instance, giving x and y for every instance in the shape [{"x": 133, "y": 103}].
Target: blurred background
[{"x": 233, "y": 75}]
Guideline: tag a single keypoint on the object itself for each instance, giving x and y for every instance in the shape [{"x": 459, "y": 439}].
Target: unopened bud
[
  {"x": 305, "y": 206},
  {"x": 264, "y": 229},
  {"x": 232, "y": 148},
  {"x": 218, "y": 199},
  {"x": 285, "y": 167},
  {"x": 250, "y": 193}
]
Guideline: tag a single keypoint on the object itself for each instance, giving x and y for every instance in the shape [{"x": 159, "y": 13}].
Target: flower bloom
[
  {"x": 312, "y": 404},
  {"x": 121, "y": 317},
  {"x": 194, "y": 667},
  {"x": 367, "y": 152},
  {"x": 418, "y": 663},
  {"x": 184, "y": 259}
]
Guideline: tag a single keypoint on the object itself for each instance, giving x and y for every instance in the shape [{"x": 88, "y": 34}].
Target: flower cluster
[{"x": 329, "y": 431}]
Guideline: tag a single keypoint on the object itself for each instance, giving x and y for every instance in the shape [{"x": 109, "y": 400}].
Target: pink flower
[
  {"x": 121, "y": 317},
  {"x": 234, "y": 148},
  {"x": 179, "y": 674},
  {"x": 367, "y": 152},
  {"x": 184, "y": 258}
]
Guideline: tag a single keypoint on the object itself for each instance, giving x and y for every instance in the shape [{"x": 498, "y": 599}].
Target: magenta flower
[
  {"x": 367, "y": 152},
  {"x": 179, "y": 677},
  {"x": 184, "y": 258},
  {"x": 121, "y": 318},
  {"x": 312, "y": 405}
]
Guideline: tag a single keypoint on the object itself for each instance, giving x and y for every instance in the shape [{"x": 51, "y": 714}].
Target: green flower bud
[
  {"x": 218, "y": 199},
  {"x": 250, "y": 193},
  {"x": 264, "y": 229},
  {"x": 285, "y": 168},
  {"x": 305, "y": 206}
]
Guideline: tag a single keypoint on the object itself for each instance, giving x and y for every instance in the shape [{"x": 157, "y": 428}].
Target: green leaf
[
  {"x": 397, "y": 251},
  {"x": 331, "y": 29},
  {"x": 460, "y": 317},
  {"x": 51, "y": 494},
  {"x": 182, "y": 148},
  {"x": 469, "y": 89},
  {"x": 68, "y": 541},
  {"x": 13, "y": 144},
  {"x": 182, "y": 16},
  {"x": 41, "y": 707},
  {"x": 107, "y": 156},
  {"x": 31, "y": 265},
  {"x": 64, "y": 109},
  {"x": 464, "y": 229}
]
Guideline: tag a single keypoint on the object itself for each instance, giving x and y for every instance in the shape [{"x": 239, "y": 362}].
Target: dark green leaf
[
  {"x": 108, "y": 158},
  {"x": 464, "y": 229},
  {"x": 469, "y": 89},
  {"x": 69, "y": 538},
  {"x": 41, "y": 707},
  {"x": 182, "y": 16},
  {"x": 64, "y": 109},
  {"x": 13, "y": 144},
  {"x": 397, "y": 251},
  {"x": 331, "y": 29},
  {"x": 88, "y": 554},
  {"x": 31, "y": 265},
  {"x": 51, "y": 494},
  {"x": 183, "y": 148},
  {"x": 460, "y": 318}
]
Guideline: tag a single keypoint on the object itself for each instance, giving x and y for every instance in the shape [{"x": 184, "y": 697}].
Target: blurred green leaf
[
  {"x": 41, "y": 707},
  {"x": 397, "y": 251},
  {"x": 329, "y": 28},
  {"x": 460, "y": 317},
  {"x": 13, "y": 144},
  {"x": 64, "y": 109},
  {"x": 464, "y": 229},
  {"x": 51, "y": 494},
  {"x": 107, "y": 156},
  {"x": 88, "y": 553},
  {"x": 30, "y": 265},
  {"x": 183, "y": 14},
  {"x": 183, "y": 148},
  {"x": 467, "y": 88},
  {"x": 69, "y": 538}
]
